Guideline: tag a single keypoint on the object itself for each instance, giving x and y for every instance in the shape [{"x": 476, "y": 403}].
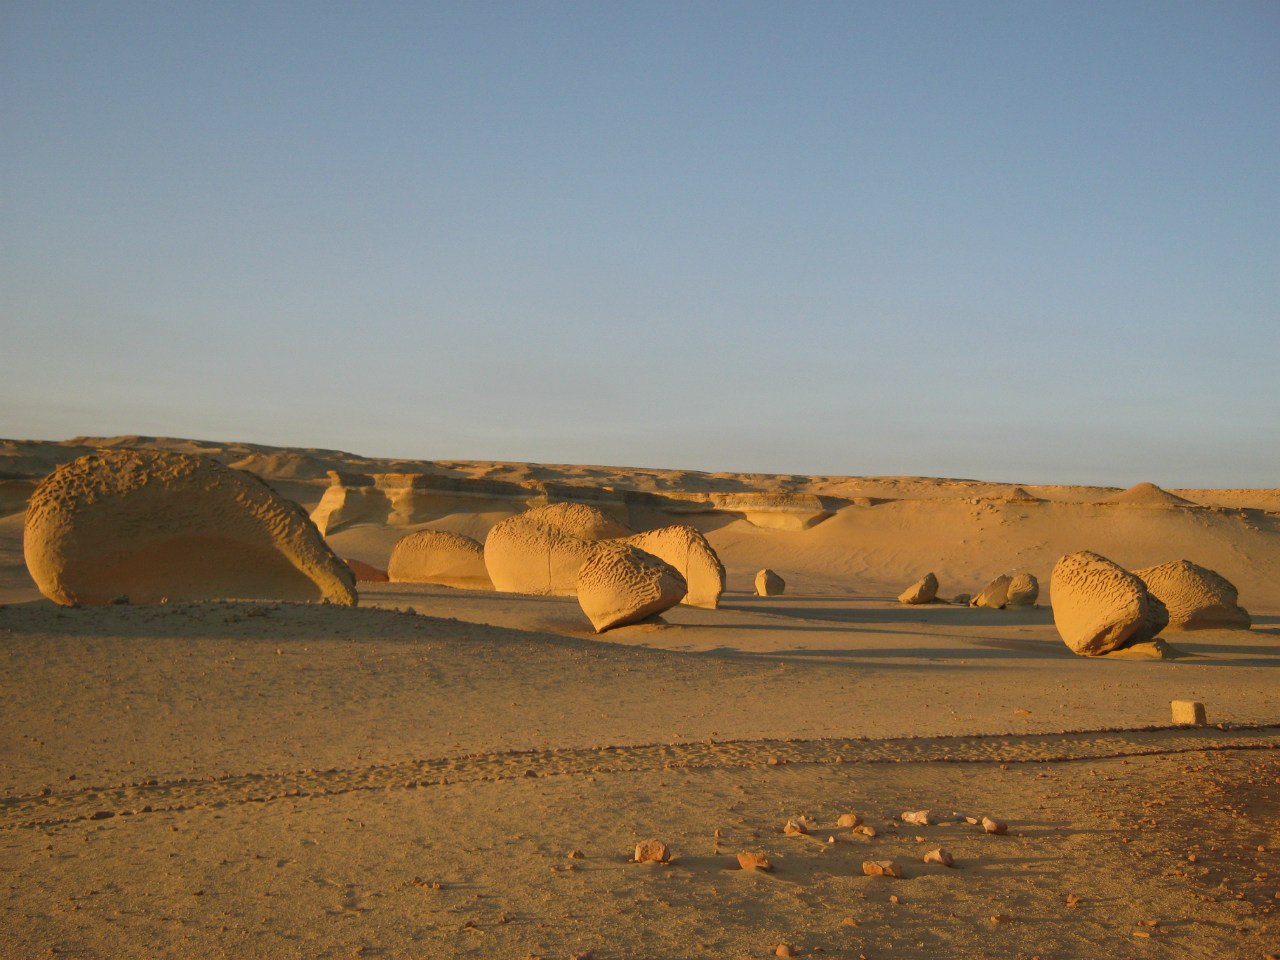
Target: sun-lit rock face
[
  {"x": 151, "y": 525},
  {"x": 1098, "y": 606},
  {"x": 995, "y": 594},
  {"x": 688, "y": 551},
  {"x": 924, "y": 590},
  {"x": 769, "y": 584},
  {"x": 438, "y": 556},
  {"x": 622, "y": 584},
  {"x": 523, "y": 555},
  {"x": 1195, "y": 596},
  {"x": 1024, "y": 590},
  {"x": 579, "y": 520}
]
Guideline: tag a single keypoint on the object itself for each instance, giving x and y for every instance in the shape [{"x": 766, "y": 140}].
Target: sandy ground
[{"x": 446, "y": 773}]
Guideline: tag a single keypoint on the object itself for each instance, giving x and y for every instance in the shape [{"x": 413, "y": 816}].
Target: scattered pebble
[
  {"x": 939, "y": 856},
  {"x": 865, "y": 830},
  {"x": 994, "y": 826},
  {"x": 784, "y": 950},
  {"x": 795, "y": 828},
  {"x": 754, "y": 861},
  {"x": 881, "y": 868},
  {"x": 919, "y": 818},
  {"x": 848, "y": 820}
]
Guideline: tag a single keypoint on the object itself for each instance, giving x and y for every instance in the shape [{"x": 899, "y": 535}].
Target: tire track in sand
[{"x": 156, "y": 796}]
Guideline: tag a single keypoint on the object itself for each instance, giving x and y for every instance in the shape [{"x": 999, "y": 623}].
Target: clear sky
[{"x": 1024, "y": 241}]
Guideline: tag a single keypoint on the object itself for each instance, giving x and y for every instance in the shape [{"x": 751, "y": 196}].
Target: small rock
[
  {"x": 848, "y": 820},
  {"x": 784, "y": 950},
  {"x": 865, "y": 830},
  {"x": 994, "y": 826},
  {"x": 754, "y": 861},
  {"x": 919, "y": 818},
  {"x": 881, "y": 868},
  {"x": 576, "y": 855},
  {"x": 795, "y": 828},
  {"x": 1073, "y": 901},
  {"x": 1000, "y": 918},
  {"x": 1188, "y": 712},
  {"x": 652, "y": 851},
  {"x": 769, "y": 584},
  {"x": 939, "y": 856}
]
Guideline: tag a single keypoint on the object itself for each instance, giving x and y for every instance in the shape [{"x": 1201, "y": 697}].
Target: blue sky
[{"x": 1014, "y": 241}]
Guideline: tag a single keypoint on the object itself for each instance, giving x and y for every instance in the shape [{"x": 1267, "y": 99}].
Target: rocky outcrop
[
  {"x": 924, "y": 590},
  {"x": 1195, "y": 596},
  {"x": 152, "y": 525},
  {"x": 621, "y": 584},
  {"x": 438, "y": 556},
  {"x": 1099, "y": 607},
  {"x": 688, "y": 551},
  {"x": 769, "y": 584}
]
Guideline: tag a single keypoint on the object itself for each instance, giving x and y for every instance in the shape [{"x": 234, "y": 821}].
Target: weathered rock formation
[
  {"x": 688, "y": 551},
  {"x": 1195, "y": 596},
  {"x": 438, "y": 556},
  {"x": 579, "y": 520},
  {"x": 1099, "y": 606},
  {"x": 150, "y": 525},
  {"x": 622, "y": 584},
  {"x": 995, "y": 594},
  {"x": 924, "y": 590},
  {"x": 523, "y": 555},
  {"x": 769, "y": 584},
  {"x": 1024, "y": 590}
]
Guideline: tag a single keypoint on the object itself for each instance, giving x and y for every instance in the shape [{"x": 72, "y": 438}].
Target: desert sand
[{"x": 462, "y": 772}]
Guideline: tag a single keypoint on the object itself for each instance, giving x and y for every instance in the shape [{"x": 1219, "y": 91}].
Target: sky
[{"x": 1033, "y": 242}]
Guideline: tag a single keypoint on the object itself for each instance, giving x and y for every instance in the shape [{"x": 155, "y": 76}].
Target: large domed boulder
[
  {"x": 1024, "y": 590},
  {"x": 924, "y": 590},
  {"x": 1195, "y": 596},
  {"x": 688, "y": 551},
  {"x": 438, "y": 556},
  {"x": 152, "y": 525},
  {"x": 522, "y": 555},
  {"x": 579, "y": 520},
  {"x": 1099, "y": 607},
  {"x": 622, "y": 584}
]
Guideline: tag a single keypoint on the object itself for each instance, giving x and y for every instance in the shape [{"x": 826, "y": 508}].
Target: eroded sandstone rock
[
  {"x": 621, "y": 584},
  {"x": 1099, "y": 606}
]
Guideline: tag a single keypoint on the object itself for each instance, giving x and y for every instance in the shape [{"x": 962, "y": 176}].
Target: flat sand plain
[{"x": 463, "y": 773}]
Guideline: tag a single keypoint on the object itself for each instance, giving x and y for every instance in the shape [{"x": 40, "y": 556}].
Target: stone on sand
[
  {"x": 621, "y": 584},
  {"x": 687, "y": 550},
  {"x": 754, "y": 861},
  {"x": 1195, "y": 596},
  {"x": 151, "y": 525},
  {"x": 1024, "y": 590},
  {"x": 769, "y": 584},
  {"x": 940, "y": 855},
  {"x": 652, "y": 851},
  {"x": 998, "y": 827},
  {"x": 881, "y": 868},
  {"x": 524, "y": 555},
  {"x": 438, "y": 556},
  {"x": 848, "y": 820},
  {"x": 995, "y": 594},
  {"x": 1099, "y": 607},
  {"x": 919, "y": 818},
  {"x": 923, "y": 590},
  {"x": 1188, "y": 712}
]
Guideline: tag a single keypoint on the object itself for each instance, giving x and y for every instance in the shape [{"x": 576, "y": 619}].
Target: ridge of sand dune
[{"x": 1148, "y": 495}]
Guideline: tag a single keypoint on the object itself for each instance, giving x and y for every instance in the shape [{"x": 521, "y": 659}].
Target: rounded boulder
[
  {"x": 622, "y": 584},
  {"x": 152, "y": 525},
  {"x": 1099, "y": 606},
  {"x": 438, "y": 556}
]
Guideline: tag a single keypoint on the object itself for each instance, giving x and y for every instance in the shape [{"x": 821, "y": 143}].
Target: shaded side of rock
[
  {"x": 923, "y": 590},
  {"x": 769, "y": 584},
  {"x": 995, "y": 594},
  {"x": 688, "y": 551}
]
